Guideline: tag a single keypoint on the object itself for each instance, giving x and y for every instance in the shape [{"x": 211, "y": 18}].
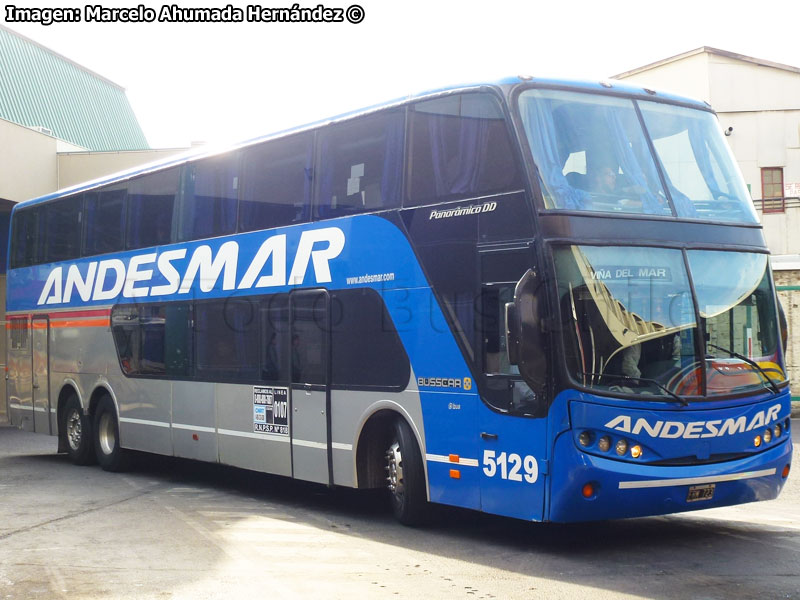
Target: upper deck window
[
  {"x": 698, "y": 165},
  {"x": 105, "y": 220},
  {"x": 360, "y": 165},
  {"x": 460, "y": 148},
  {"x": 276, "y": 183},
  {"x": 609, "y": 154},
  {"x": 210, "y": 197},
  {"x": 151, "y": 203},
  {"x": 62, "y": 229}
]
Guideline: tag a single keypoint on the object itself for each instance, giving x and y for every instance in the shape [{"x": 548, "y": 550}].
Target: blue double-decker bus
[{"x": 542, "y": 299}]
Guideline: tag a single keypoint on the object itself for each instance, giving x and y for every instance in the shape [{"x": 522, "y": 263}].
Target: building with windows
[
  {"x": 60, "y": 124},
  {"x": 758, "y": 103}
]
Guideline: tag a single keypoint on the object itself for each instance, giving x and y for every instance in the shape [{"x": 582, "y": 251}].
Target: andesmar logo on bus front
[
  {"x": 107, "y": 279},
  {"x": 695, "y": 429}
]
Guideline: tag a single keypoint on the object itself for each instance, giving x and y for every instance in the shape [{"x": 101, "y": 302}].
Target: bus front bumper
[{"x": 622, "y": 489}]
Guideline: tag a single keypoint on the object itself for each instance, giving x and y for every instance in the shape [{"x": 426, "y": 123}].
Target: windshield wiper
[
  {"x": 681, "y": 399},
  {"x": 750, "y": 362}
]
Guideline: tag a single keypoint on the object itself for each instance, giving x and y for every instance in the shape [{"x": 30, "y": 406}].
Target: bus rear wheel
[
  {"x": 106, "y": 437},
  {"x": 76, "y": 427},
  {"x": 406, "y": 476}
]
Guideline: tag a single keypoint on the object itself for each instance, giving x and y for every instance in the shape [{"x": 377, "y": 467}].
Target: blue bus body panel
[
  {"x": 375, "y": 253},
  {"x": 716, "y": 442}
]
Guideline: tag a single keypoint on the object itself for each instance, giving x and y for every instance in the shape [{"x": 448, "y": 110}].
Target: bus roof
[{"x": 605, "y": 87}]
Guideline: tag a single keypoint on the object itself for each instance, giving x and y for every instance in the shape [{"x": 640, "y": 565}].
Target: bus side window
[
  {"x": 275, "y": 338},
  {"x": 309, "y": 343},
  {"x": 125, "y": 327},
  {"x": 210, "y": 197},
  {"x": 104, "y": 213},
  {"x": 25, "y": 238},
  {"x": 360, "y": 165},
  {"x": 459, "y": 148},
  {"x": 62, "y": 224},
  {"x": 276, "y": 183},
  {"x": 18, "y": 333},
  {"x": 493, "y": 305},
  {"x": 366, "y": 349},
  {"x": 153, "y": 339},
  {"x": 227, "y": 339},
  {"x": 151, "y": 203}
]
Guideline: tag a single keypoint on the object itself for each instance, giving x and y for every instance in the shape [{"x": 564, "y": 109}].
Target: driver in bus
[{"x": 603, "y": 180}]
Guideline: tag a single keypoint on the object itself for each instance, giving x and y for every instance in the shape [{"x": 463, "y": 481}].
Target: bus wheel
[
  {"x": 405, "y": 476},
  {"x": 106, "y": 437},
  {"x": 76, "y": 428}
]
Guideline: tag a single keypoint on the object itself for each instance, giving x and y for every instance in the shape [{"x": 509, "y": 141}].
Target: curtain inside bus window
[
  {"x": 210, "y": 197},
  {"x": 591, "y": 153},
  {"x": 460, "y": 148},
  {"x": 151, "y": 203},
  {"x": 63, "y": 228},
  {"x": 360, "y": 165},
  {"x": 276, "y": 182},
  {"x": 702, "y": 174},
  {"x": 105, "y": 220}
]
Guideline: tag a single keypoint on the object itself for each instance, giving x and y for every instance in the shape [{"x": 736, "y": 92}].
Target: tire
[
  {"x": 106, "y": 437},
  {"x": 406, "y": 477},
  {"x": 76, "y": 429}
]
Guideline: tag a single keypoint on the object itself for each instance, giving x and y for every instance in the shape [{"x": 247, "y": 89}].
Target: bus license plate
[{"x": 700, "y": 492}]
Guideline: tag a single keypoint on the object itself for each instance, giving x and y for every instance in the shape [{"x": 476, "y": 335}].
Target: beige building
[
  {"x": 758, "y": 103},
  {"x": 60, "y": 125}
]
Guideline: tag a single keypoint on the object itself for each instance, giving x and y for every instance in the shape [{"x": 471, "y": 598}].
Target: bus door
[
  {"x": 512, "y": 445},
  {"x": 310, "y": 400},
  {"x": 40, "y": 361}
]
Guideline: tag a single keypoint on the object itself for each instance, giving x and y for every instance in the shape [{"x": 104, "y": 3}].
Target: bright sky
[{"x": 217, "y": 82}]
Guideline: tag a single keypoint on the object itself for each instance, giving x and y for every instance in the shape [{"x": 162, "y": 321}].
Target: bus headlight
[
  {"x": 585, "y": 438},
  {"x": 767, "y": 436},
  {"x": 778, "y": 430},
  {"x": 621, "y": 447},
  {"x": 604, "y": 444}
]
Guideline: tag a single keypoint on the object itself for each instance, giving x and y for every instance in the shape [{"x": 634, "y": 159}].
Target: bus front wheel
[
  {"x": 106, "y": 437},
  {"x": 76, "y": 427},
  {"x": 406, "y": 476}
]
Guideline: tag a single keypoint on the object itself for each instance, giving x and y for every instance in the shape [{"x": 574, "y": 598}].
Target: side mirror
[
  {"x": 526, "y": 341},
  {"x": 784, "y": 327}
]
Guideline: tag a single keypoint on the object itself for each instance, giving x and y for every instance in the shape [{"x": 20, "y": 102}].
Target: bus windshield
[
  {"x": 612, "y": 154},
  {"x": 629, "y": 323}
]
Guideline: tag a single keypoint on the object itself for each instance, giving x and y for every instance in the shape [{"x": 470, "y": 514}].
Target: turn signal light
[
  {"x": 785, "y": 473},
  {"x": 636, "y": 451},
  {"x": 588, "y": 490},
  {"x": 757, "y": 441}
]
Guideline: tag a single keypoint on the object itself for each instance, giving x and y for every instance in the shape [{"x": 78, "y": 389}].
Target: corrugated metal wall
[{"x": 40, "y": 88}]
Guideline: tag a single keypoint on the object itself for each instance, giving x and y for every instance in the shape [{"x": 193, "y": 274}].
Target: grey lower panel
[
  {"x": 194, "y": 416},
  {"x": 239, "y": 443},
  {"x": 144, "y": 414}
]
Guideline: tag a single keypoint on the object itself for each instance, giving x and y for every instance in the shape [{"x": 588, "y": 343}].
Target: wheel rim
[
  {"x": 106, "y": 436},
  {"x": 394, "y": 469},
  {"x": 74, "y": 429}
]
